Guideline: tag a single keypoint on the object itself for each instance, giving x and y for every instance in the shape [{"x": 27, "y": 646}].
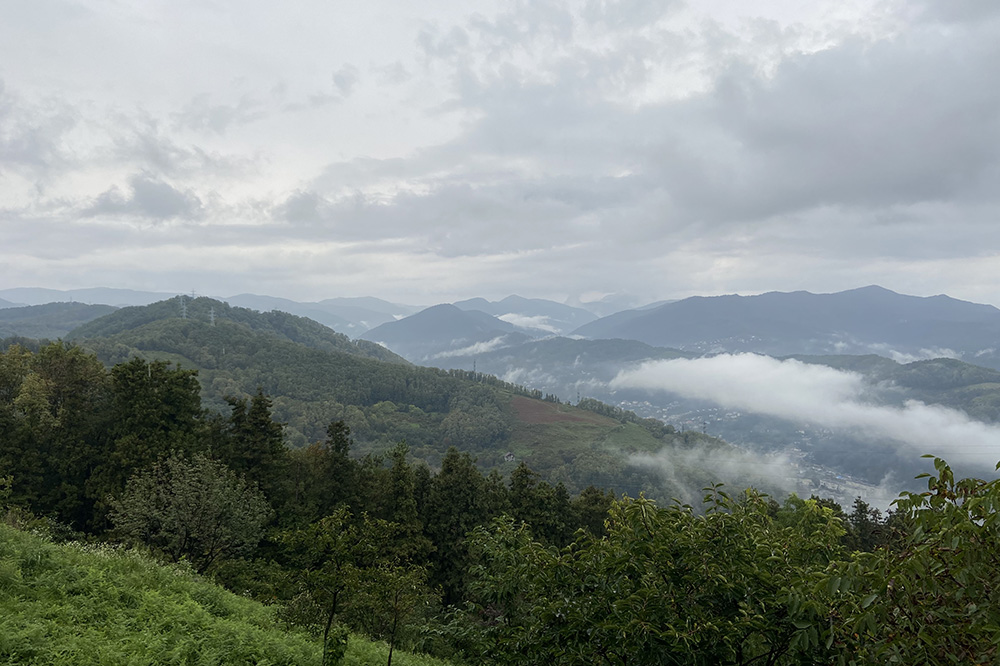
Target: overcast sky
[{"x": 427, "y": 152}]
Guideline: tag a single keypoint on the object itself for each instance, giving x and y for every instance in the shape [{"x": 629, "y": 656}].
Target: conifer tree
[{"x": 455, "y": 506}]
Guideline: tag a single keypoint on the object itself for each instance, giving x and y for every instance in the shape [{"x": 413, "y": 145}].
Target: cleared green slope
[{"x": 81, "y": 605}]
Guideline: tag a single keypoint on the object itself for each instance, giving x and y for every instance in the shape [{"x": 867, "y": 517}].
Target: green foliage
[
  {"x": 155, "y": 409},
  {"x": 55, "y": 414},
  {"x": 254, "y": 443},
  {"x": 544, "y": 507},
  {"x": 591, "y": 509},
  {"x": 664, "y": 586},
  {"x": 197, "y": 510},
  {"x": 934, "y": 598},
  {"x": 327, "y": 558},
  {"x": 390, "y": 595},
  {"x": 335, "y": 646}
]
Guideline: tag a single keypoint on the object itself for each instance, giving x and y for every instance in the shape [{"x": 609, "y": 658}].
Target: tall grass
[{"x": 101, "y": 605}]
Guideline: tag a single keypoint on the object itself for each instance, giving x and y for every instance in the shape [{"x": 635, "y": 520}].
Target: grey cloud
[
  {"x": 142, "y": 143},
  {"x": 867, "y": 126},
  {"x": 895, "y": 139},
  {"x": 447, "y": 46},
  {"x": 32, "y": 135},
  {"x": 201, "y": 114},
  {"x": 524, "y": 26},
  {"x": 464, "y": 219},
  {"x": 627, "y": 14},
  {"x": 316, "y": 100},
  {"x": 149, "y": 197},
  {"x": 302, "y": 206},
  {"x": 345, "y": 78},
  {"x": 570, "y": 167},
  {"x": 958, "y": 11},
  {"x": 393, "y": 74}
]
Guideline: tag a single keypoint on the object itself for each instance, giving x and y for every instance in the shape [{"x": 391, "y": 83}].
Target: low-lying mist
[{"x": 823, "y": 396}]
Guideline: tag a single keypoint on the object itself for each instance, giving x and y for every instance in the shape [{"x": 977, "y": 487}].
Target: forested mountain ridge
[
  {"x": 858, "y": 321},
  {"x": 242, "y": 351},
  {"x": 51, "y": 320},
  {"x": 281, "y": 324}
]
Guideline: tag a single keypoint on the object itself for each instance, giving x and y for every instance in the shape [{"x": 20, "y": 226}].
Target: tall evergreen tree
[
  {"x": 591, "y": 508},
  {"x": 55, "y": 421},
  {"x": 399, "y": 506},
  {"x": 155, "y": 410},
  {"x": 544, "y": 508},
  {"x": 455, "y": 506},
  {"x": 256, "y": 444}
]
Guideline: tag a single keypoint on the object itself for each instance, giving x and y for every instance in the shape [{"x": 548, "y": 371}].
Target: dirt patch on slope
[{"x": 538, "y": 411}]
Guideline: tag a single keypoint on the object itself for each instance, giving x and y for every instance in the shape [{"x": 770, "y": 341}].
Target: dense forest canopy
[
  {"x": 480, "y": 567},
  {"x": 314, "y": 376}
]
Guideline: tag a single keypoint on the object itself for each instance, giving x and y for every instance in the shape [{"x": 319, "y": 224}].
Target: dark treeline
[
  {"x": 123, "y": 452},
  {"x": 477, "y": 567}
]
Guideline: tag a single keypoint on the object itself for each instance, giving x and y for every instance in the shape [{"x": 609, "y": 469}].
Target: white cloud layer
[
  {"x": 821, "y": 396},
  {"x": 498, "y": 342},
  {"x": 536, "y": 322}
]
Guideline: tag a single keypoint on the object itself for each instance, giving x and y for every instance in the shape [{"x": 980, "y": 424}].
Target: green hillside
[
  {"x": 81, "y": 604},
  {"x": 315, "y": 376},
  {"x": 282, "y": 325}
]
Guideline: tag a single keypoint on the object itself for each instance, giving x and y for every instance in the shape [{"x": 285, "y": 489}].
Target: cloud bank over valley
[{"x": 824, "y": 396}]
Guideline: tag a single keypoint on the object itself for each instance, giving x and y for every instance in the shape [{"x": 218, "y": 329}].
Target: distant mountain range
[
  {"x": 533, "y": 314},
  {"x": 869, "y": 320},
  {"x": 859, "y": 321},
  {"x": 571, "y": 354},
  {"x": 50, "y": 321},
  {"x": 445, "y": 330},
  {"x": 351, "y": 316},
  {"x": 95, "y": 296}
]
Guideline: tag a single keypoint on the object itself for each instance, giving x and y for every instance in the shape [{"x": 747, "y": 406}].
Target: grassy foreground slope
[{"x": 77, "y": 604}]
